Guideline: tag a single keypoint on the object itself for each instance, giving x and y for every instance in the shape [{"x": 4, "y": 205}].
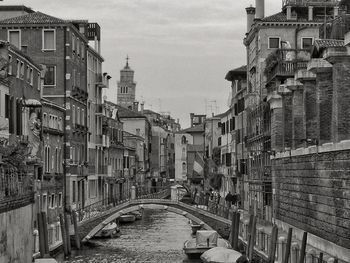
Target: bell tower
[{"x": 126, "y": 87}]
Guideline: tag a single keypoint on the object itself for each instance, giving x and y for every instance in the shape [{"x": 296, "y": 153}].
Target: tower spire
[{"x": 127, "y": 61}]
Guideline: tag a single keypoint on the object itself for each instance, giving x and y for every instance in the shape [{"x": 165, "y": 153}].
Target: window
[
  {"x": 44, "y": 202},
  {"x": 9, "y": 68},
  {"x": 306, "y": 42},
  {"x": 73, "y": 114},
  {"x": 183, "y": 140},
  {"x": 28, "y": 75},
  {"x": 49, "y": 39},
  {"x": 18, "y": 68},
  {"x": 92, "y": 188},
  {"x": 78, "y": 115},
  {"x": 50, "y": 76},
  {"x": 274, "y": 42},
  {"x": 82, "y": 119},
  {"x": 73, "y": 43},
  {"x": 31, "y": 76},
  {"x": 22, "y": 71},
  {"x": 14, "y": 37},
  {"x": 59, "y": 201},
  {"x": 39, "y": 82},
  {"x": 73, "y": 191},
  {"x": 78, "y": 47},
  {"x": 82, "y": 51},
  {"x": 184, "y": 170},
  {"x": 52, "y": 203},
  {"x": 57, "y": 161}
]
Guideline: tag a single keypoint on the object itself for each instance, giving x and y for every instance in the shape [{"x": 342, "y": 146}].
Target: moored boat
[
  {"x": 137, "y": 214},
  {"x": 110, "y": 230},
  {"x": 205, "y": 240},
  {"x": 128, "y": 218},
  {"x": 195, "y": 227}
]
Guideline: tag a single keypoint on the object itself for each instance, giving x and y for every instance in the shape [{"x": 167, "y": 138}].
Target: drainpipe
[{"x": 64, "y": 121}]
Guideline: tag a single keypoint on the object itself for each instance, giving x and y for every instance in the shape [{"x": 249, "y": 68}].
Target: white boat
[
  {"x": 205, "y": 240},
  {"x": 128, "y": 218},
  {"x": 111, "y": 230}
]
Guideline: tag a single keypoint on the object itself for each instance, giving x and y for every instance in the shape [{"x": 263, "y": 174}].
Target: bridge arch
[{"x": 136, "y": 207}]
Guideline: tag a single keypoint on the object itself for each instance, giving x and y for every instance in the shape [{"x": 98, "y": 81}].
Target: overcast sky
[{"x": 180, "y": 49}]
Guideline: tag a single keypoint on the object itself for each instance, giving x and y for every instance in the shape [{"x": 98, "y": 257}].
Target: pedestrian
[{"x": 229, "y": 199}]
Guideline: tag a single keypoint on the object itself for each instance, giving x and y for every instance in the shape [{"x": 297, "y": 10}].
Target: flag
[{"x": 198, "y": 164}]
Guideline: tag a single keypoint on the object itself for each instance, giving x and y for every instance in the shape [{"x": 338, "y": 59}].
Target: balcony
[
  {"x": 79, "y": 128},
  {"x": 16, "y": 189},
  {"x": 77, "y": 169},
  {"x": 101, "y": 80},
  {"x": 92, "y": 169},
  {"x": 79, "y": 94},
  {"x": 283, "y": 63},
  {"x": 94, "y": 31},
  {"x": 306, "y": 3}
]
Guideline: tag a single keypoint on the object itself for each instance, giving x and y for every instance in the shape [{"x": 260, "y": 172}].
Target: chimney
[
  {"x": 250, "y": 17},
  {"x": 136, "y": 106},
  {"x": 178, "y": 121},
  {"x": 260, "y": 9},
  {"x": 311, "y": 13},
  {"x": 191, "y": 117},
  {"x": 142, "y": 107}
]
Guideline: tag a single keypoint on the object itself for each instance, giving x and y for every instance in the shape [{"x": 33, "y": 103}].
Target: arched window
[
  {"x": 183, "y": 140},
  {"x": 184, "y": 168}
]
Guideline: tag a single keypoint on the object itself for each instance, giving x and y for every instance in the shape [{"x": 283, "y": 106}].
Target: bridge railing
[{"x": 95, "y": 209}]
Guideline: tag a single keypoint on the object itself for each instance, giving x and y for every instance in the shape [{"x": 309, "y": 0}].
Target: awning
[{"x": 32, "y": 103}]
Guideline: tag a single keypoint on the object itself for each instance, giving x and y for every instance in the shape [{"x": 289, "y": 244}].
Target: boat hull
[
  {"x": 109, "y": 231},
  {"x": 127, "y": 218},
  {"x": 193, "y": 251}
]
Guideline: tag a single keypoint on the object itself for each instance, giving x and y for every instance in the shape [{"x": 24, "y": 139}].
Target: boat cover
[{"x": 203, "y": 236}]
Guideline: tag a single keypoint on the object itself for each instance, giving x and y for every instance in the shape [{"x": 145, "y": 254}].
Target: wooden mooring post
[
  {"x": 76, "y": 232},
  {"x": 236, "y": 231},
  {"x": 233, "y": 224},
  {"x": 67, "y": 223},
  {"x": 273, "y": 244},
  {"x": 303, "y": 248},
  {"x": 289, "y": 244},
  {"x": 252, "y": 239},
  {"x": 64, "y": 235},
  {"x": 41, "y": 235},
  {"x": 46, "y": 237}
]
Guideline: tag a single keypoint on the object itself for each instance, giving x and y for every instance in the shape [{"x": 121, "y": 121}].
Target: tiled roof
[
  {"x": 126, "y": 113},
  {"x": 282, "y": 17},
  {"x": 279, "y": 17},
  {"x": 33, "y": 18},
  {"x": 197, "y": 128},
  {"x": 325, "y": 43},
  {"x": 234, "y": 72}
]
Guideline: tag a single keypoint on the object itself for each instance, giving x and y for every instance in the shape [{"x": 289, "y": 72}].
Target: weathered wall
[
  {"x": 16, "y": 235},
  {"x": 313, "y": 194}
]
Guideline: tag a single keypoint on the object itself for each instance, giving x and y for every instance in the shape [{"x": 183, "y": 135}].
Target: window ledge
[{"x": 46, "y": 50}]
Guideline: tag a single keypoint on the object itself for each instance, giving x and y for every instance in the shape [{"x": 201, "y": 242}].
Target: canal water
[{"x": 158, "y": 237}]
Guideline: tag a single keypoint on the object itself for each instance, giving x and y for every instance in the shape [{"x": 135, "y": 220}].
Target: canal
[{"x": 158, "y": 237}]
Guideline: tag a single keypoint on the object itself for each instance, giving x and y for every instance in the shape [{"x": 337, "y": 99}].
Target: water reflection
[{"x": 158, "y": 237}]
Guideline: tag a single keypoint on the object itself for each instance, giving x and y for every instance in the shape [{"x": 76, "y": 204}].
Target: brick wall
[
  {"x": 324, "y": 87},
  {"x": 311, "y": 120},
  {"x": 313, "y": 194}
]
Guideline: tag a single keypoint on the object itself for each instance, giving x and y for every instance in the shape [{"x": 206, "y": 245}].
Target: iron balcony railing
[
  {"x": 310, "y": 2},
  {"x": 16, "y": 189}
]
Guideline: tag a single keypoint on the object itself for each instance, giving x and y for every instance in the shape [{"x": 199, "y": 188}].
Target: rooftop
[
  {"x": 241, "y": 71},
  {"x": 33, "y": 18},
  {"x": 16, "y": 8},
  {"x": 195, "y": 129}
]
